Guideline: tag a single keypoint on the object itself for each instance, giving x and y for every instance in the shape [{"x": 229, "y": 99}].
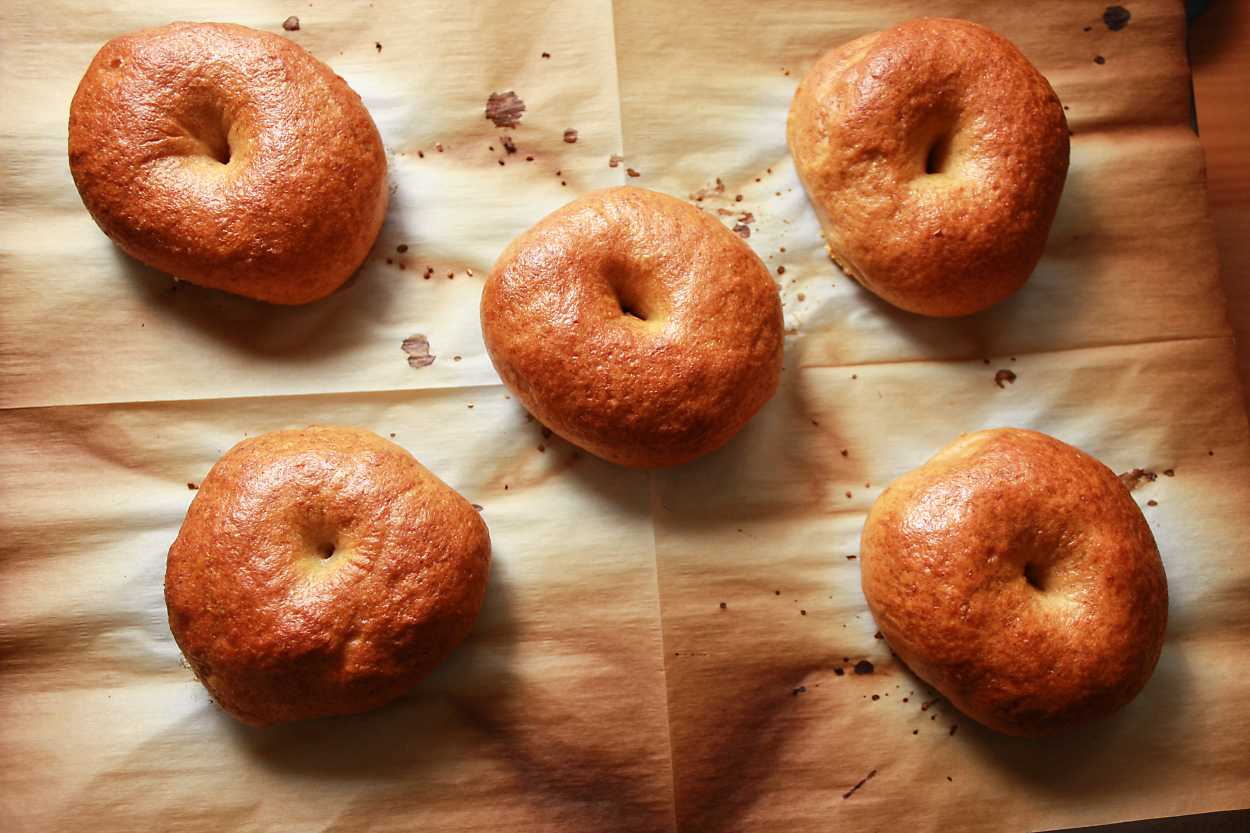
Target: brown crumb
[
  {"x": 615, "y": 160},
  {"x": 861, "y": 783},
  {"x": 291, "y": 24},
  {"x": 802, "y": 612},
  {"x": 505, "y": 109},
  {"x": 456, "y": 358},
  {"x": 846, "y": 453},
  {"x": 1152, "y": 503},
  {"x": 723, "y": 606},
  {"x": 839, "y": 671},
  {"x": 801, "y": 296},
  {"x": 529, "y": 159},
  {"x": 632, "y": 172},
  {"x": 542, "y": 448},
  {"x": 1169, "y": 472},
  {"x": 438, "y": 146},
  {"x": 1098, "y": 59},
  {"x": 546, "y": 55},
  {"x": 1136, "y": 477},
  {"x": 418, "y": 349},
  {"x": 570, "y": 135},
  {"x": 501, "y": 163},
  {"x": 1116, "y": 17},
  {"x": 851, "y": 557},
  {"x": 477, "y": 506},
  {"x": 508, "y": 145},
  {"x": 742, "y": 230},
  {"x": 421, "y": 154},
  {"x": 192, "y": 486},
  {"x": 401, "y": 248},
  {"x": 377, "y": 44},
  {"x": 864, "y": 667},
  {"x": 738, "y": 198},
  {"x": 876, "y": 697},
  {"x": 781, "y": 270},
  {"x": 1004, "y": 376}
]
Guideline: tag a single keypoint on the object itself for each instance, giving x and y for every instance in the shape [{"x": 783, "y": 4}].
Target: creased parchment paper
[{"x": 605, "y": 687}]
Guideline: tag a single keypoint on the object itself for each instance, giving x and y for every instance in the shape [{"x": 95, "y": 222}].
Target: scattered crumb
[
  {"x": 801, "y": 297},
  {"x": 781, "y": 270},
  {"x": 1098, "y": 59},
  {"x": 508, "y": 145},
  {"x": 438, "y": 146},
  {"x": 632, "y": 172},
  {"x": 546, "y": 55},
  {"x": 1004, "y": 376},
  {"x": 477, "y": 506},
  {"x": 401, "y": 248},
  {"x": 1136, "y": 477},
  {"x": 456, "y": 358},
  {"x": 737, "y": 198},
  {"x": 851, "y": 557},
  {"x": 505, "y": 109},
  {"x": 418, "y": 349},
  {"x": 846, "y": 452},
  {"x": 570, "y": 135},
  {"x": 1116, "y": 17},
  {"x": 1169, "y": 472},
  {"x": 876, "y": 697},
  {"x": 802, "y": 612},
  {"x": 542, "y": 448},
  {"x": 192, "y": 486},
  {"x": 723, "y": 606},
  {"x": 1152, "y": 503},
  {"x": 615, "y": 160},
  {"x": 742, "y": 230},
  {"x": 839, "y": 671},
  {"x": 291, "y": 24},
  {"x": 377, "y": 44},
  {"x": 861, "y": 783},
  {"x": 864, "y": 667}
]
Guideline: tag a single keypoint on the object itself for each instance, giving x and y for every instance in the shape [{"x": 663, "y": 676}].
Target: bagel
[
  {"x": 635, "y": 326},
  {"x": 321, "y": 572},
  {"x": 934, "y": 155},
  {"x": 1018, "y": 577},
  {"x": 229, "y": 158}
]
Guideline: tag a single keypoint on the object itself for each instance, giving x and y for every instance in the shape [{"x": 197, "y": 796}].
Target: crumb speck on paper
[
  {"x": 1136, "y": 477},
  {"x": 632, "y": 172},
  {"x": 418, "y": 349},
  {"x": 542, "y": 448},
  {"x": 801, "y": 296},
  {"x": 723, "y": 606},
  {"x": 851, "y": 557},
  {"x": 508, "y": 145},
  {"x": 742, "y": 230},
  {"x": 438, "y": 146},
  {"x": 846, "y": 452},
  {"x": 1169, "y": 472},
  {"x": 839, "y": 671},
  {"x": 546, "y": 55},
  {"x": 291, "y": 24},
  {"x": 1004, "y": 376},
  {"x": 858, "y": 785},
  {"x": 1116, "y": 17},
  {"x": 864, "y": 667},
  {"x": 570, "y": 135},
  {"x": 615, "y": 160},
  {"x": 401, "y": 248},
  {"x": 191, "y": 486},
  {"x": 377, "y": 44},
  {"x": 1100, "y": 60},
  {"x": 1152, "y": 503},
  {"x": 505, "y": 109},
  {"x": 781, "y": 270}
]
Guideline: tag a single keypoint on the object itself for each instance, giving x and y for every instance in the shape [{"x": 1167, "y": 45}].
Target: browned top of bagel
[
  {"x": 1017, "y": 575},
  {"x": 322, "y": 571},
  {"x": 230, "y": 158},
  {"x": 934, "y": 154},
  {"x": 635, "y": 326}
]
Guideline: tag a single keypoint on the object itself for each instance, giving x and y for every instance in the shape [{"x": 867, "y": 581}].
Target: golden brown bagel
[
  {"x": 635, "y": 326},
  {"x": 934, "y": 154},
  {"x": 1017, "y": 576},
  {"x": 322, "y": 571},
  {"x": 230, "y": 158}
]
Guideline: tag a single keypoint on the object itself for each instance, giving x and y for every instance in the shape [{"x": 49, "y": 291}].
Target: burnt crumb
[
  {"x": 438, "y": 146},
  {"x": 546, "y": 55},
  {"x": 1136, "y": 477},
  {"x": 915, "y": 731},
  {"x": 477, "y": 506},
  {"x": 508, "y": 145},
  {"x": 775, "y": 592},
  {"x": 859, "y": 784},
  {"x": 846, "y": 453},
  {"x": 851, "y": 557},
  {"x": 191, "y": 486},
  {"x": 392, "y": 435},
  {"x": 505, "y": 109},
  {"x": 418, "y": 349},
  {"x": 839, "y": 670},
  {"x": 1169, "y": 472},
  {"x": 1152, "y": 503},
  {"x": 377, "y": 44},
  {"x": 723, "y": 606},
  {"x": 737, "y": 198},
  {"x": 1004, "y": 375},
  {"x": 1116, "y": 17},
  {"x": 501, "y": 163},
  {"x": 401, "y": 248},
  {"x": 781, "y": 270},
  {"x": 570, "y": 135},
  {"x": 802, "y": 612},
  {"x": 291, "y": 24},
  {"x": 632, "y": 172},
  {"x": 420, "y": 154},
  {"x": 1100, "y": 60},
  {"x": 948, "y": 778},
  {"x": 876, "y": 697},
  {"x": 615, "y": 160},
  {"x": 742, "y": 230},
  {"x": 864, "y": 667}
]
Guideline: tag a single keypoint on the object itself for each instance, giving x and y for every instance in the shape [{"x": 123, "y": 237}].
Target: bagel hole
[
  {"x": 625, "y": 287},
  {"x": 632, "y": 313},
  {"x": 326, "y": 550},
  {"x": 1035, "y": 576},
  {"x": 938, "y": 157}
]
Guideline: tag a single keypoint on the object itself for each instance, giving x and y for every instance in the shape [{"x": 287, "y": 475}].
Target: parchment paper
[{"x": 605, "y": 687}]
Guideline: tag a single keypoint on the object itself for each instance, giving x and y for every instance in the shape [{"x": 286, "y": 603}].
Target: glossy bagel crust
[
  {"x": 230, "y": 158},
  {"x": 635, "y": 326},
  {"x": 322, "y": 571},
  {"x": 934, "y": 155},
  {"x": 1017, "y": 576}
]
